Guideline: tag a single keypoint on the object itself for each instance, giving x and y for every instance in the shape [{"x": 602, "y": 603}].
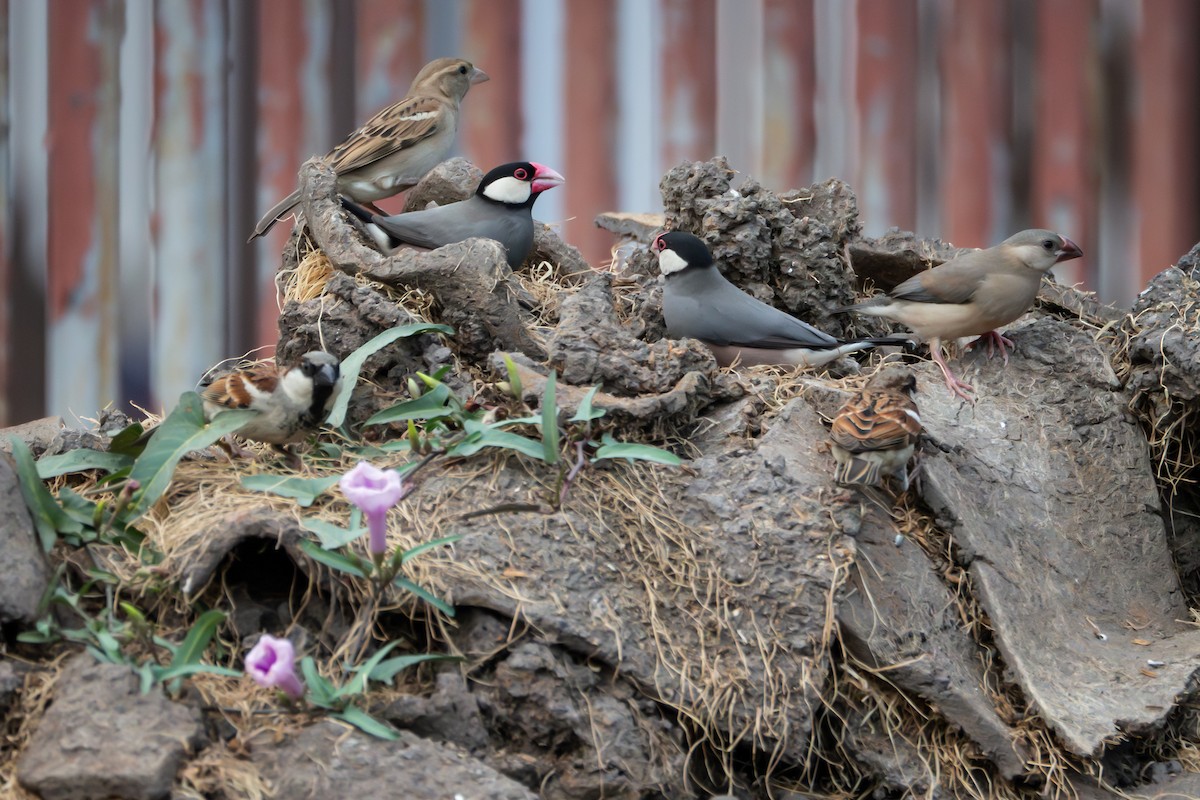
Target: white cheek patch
[
  {"x": 915, "y": 416},
  {"x": 670, "y": 262},
  {"x": 508, "y": 190},
  {"x": 297, "y": 387},
  {"x": 1035, "y": 256}
]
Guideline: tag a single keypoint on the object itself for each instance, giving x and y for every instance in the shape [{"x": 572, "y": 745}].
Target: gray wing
[
  {"x": 456, "y": 222},
  {"x": 712, "y": 309},
  {"x": 955, "y": 281}
]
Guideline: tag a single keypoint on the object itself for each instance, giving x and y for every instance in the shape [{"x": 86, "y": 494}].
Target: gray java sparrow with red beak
[{"x": 501, "y": 209}]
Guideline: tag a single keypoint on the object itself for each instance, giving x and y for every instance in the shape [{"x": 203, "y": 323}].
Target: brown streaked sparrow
[
  {"x": 396, "y": 147},
  {"x": 875, "y": 433}
]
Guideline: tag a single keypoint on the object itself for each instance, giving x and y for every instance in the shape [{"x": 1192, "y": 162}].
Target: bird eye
[
  {"x": 1048, "y": 244},
  {"x": 462, "y": 70},
  {"x": 520, "y": 174}
]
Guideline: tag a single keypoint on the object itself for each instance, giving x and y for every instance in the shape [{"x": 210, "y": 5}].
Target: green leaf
[
  {"x": 386, "y": 671},
  {"x": 352, "y": 364},
  {"x": 184, "y": 670},
  {"x": 358, "y": 684},
  {"x": 367, "y": 724},
  {"x": 195, "y": 643},
  {"x": 320, "y": 691},
  {"x": 425, "y": 595},
  {"x": 48, "y": 516},
  {"x": 180, "y": 433},
  {"x": 126, "y": 442},
  {"x": 550, "y": 420},
  {"x": 585, "y": 412},
  {"x": 424, "y": 547},
  {"x": 304, "y": 490},
  {"x": 431, "y": 405},
  {"x": 514, "y": 377},
  {"x": 332, "y": 537},
  {"x": 635, "y": 452},
  {"x": 80, "y": 461},
  {"x": 491, "y": 437},
  {"x": 341, "y": 563}
]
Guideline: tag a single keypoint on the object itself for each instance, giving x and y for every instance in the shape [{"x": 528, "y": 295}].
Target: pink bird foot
[
  {"x": 957, "y": 387},
  {"x": 995, "y": 341}
]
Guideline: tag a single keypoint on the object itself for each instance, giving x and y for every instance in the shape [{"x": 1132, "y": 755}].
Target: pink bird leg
[
  {"x": 995, "y": 341},
  {"x": 957, "y": 387}
]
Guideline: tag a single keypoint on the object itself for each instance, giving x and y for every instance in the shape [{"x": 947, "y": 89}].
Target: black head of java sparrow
[
  {"x": 396, "y": 147},
  {"x": 973, "y": 294},
  {"x": 875, "y": 433},
  {"x": 292, "y": 401},
  {"x": 501, "y": 209},
  {"x": 699, "y": 303}
]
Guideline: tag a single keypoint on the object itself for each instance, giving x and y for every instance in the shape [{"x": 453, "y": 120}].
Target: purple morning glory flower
[
  {"x": 272, "y": 663},
  {"x": 374, "y": 491}
]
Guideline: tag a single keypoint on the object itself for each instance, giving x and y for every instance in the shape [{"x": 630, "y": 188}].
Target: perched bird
[
  {"x": 500, "y": 209},
  {"x": 292, "y": 402},
  {"x": 397, "y": 146},
  {"x": 699, "y": 303},
  {"x": 973, "y": 294},
  {"x": 875, "y": 432}
]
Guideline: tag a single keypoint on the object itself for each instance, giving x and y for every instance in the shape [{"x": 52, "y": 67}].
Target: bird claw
[{"x": 995, "y": 341}]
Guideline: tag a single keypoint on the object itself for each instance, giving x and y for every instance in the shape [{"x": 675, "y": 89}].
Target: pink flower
[
  {"x": 272, "y": 663},
  {"x": 374, "y": 491}
]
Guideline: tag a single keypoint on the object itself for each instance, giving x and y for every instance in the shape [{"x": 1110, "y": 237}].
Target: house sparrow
[
  {"x": 875, "y": 432},
  {"x": 699, "y": 303},
  {"x": 500, "y": 209},
  {"x": 397, "y": 146},
  {"x": 973, "y": 294},
  {"x": 292, "y": 402}
]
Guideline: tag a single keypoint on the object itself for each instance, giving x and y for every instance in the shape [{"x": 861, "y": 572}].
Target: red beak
[
  {"x": 1068, "y": 251},
  {"x": 544, "y": 178}
]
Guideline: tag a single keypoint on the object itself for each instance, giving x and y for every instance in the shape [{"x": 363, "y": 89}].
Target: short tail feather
[
  {"x": 857, "y": 472},
  {"x": 271, "y": 217}
]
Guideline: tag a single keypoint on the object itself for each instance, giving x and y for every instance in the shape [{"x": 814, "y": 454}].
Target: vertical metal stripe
[
  {"x": 740, "y": 84},
  {"x": 542, "y": 64},
  {"x": 837, "y": 142},
  {"x": 639, "y": 136}
]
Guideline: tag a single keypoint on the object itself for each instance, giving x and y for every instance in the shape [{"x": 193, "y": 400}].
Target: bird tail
[
  {"x": 362, "y": 212},
  {"x": 907, "y": 342},
  {"x": 271, "y": 217},
  {"x": 863, "y": 307},
  {"x": 857, "y": 472}
]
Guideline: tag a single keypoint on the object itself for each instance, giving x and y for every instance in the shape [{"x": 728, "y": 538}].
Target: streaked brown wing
[
  {"x": 231, "y": 390},
  {"x": 395, "y": 128},
  {"x": 875, "y": 420}
]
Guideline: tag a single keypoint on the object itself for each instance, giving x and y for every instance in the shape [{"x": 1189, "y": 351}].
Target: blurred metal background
[{"x": 141, "y": 140}]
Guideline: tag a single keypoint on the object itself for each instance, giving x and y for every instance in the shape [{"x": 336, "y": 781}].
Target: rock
[
  {"x": 449, "y": 182},
  {"x": 101, "y": 738},
  {"x": 896, "y": 256},
  {"x": 1046, "y": 486},
  {"x": 896, "y": 614},
  {"x": 22, "y": 562},
  {"x": 451, "y": 714},
  {"x": 895, "y": 762},
  {"x": 640, "y": 227},
  {"x": 37, "y": 434},
  {"x": 11, "y": 680},
  {"x": 328, "y": 760}
]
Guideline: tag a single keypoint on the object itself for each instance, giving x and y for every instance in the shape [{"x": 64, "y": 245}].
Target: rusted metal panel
[
  {"x": 82, "y": 257},
  {"x": 6, "y": 251},
  {"x": 789, "y": 125},
  {"x": 688, "y": 112},
  {"x": 1063, "y": 154},
  {"x": 740, "y": 84},
  {"x": 543, "y": 64},
  {"x": 590, "y": 129},
  {"x": 1165, "y": 158},
  {"x": 492, "y": 128},
  {"x": 975, "y": 122},
  {"x": 640, "y": 72},
  {"x": 189, "y": 168},
  {"x": 837, "y": 148},
  {"x": 886, "y": 104}
]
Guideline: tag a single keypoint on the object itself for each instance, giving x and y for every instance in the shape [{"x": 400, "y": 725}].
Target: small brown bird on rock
[{"x": 875, "y": 433}]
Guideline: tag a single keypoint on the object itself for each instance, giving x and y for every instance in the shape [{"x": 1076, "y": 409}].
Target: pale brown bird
[
  {"x": 875, "y": 433},
  {"x": 973, "y": 294},
  {"x": 397, "y": 146}
]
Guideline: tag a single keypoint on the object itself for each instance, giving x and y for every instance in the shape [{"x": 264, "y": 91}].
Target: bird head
[
  {"x": 322, "y": 368},
  {"x": 896, "y": 378},
  {"x": 518, "y": 183},
  {"x": 452, "y": 77},
  {"x": 1041, "y": 249},
  {"x": 678, "y": 250}
]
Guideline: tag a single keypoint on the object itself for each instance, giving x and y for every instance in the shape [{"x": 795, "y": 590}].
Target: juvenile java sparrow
[
  {"x": 396, "y": 147},
  {"x": 500, "y": 209},
  {"x": 699, "y": 303},
  {"x": 973, "y": 294},
  {"x": 875, "y": 433},
  {"x": 292, "y": 401}
]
